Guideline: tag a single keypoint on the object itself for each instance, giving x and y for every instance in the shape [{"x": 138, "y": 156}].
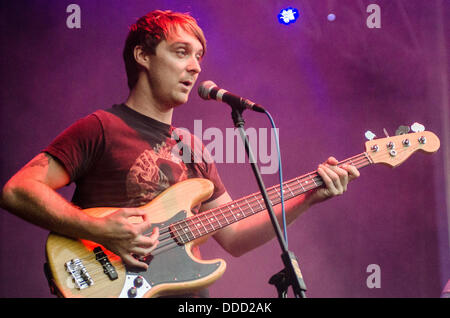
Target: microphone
[{"x": 209, "y": 90}]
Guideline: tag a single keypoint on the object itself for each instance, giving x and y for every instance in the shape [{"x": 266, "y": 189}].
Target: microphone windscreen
[{"x": 205, "y": 88}]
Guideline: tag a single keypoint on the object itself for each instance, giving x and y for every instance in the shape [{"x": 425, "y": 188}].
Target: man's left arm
[{"x": 256, "y": 230}]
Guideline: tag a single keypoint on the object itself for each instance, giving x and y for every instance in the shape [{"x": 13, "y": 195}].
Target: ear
[{"x": 141, "y": 57}]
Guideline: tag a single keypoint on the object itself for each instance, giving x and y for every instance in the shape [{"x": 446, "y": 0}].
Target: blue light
[
  {"x": 288, "y": 15},
  {"x": 331, "y": 17}
]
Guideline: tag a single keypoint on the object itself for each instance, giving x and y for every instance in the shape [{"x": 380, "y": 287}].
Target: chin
[
  {"x": 180, "y": 101},
  {"x": 177, "y": 105}
]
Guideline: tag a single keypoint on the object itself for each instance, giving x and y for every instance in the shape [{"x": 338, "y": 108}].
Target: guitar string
[
  {"x": 171, "y": 243},
  {"x": 247, "y": 202},
  {"x": 361, "y": 159},
  {"x": 358, "y": 161},
  {"x": 168, "y": 233},
  {"x": 168, "y": 238},
  {"x": 203, "y": 216},
  {"x": 256, "y": 197}
]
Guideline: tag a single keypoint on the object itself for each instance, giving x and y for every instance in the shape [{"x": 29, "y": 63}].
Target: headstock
[{"x": 393, "y": 150}]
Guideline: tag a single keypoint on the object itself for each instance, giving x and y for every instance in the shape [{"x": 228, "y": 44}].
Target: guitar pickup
[{"x": 103, "y": 259}]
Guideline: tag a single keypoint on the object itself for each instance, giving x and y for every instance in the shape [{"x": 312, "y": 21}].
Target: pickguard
[{"x": 173, "y": 265}]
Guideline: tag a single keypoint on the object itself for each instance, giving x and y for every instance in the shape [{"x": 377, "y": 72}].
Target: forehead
[{"x": 180, "y": 35}]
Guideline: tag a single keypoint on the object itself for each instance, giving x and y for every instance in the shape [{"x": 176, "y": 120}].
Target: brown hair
[{"x": 150, "y": 30}]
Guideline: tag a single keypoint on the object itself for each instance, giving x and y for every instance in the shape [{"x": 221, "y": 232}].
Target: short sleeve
[
  {"x": 209, "y": 169},
  {"x": 79, "y": 146},
  {"x": 203, "y": 162},
  {"x": 212, "y": 174}
]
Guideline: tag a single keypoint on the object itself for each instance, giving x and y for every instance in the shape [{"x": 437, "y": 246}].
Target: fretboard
[{"x": 212, "y": 220}]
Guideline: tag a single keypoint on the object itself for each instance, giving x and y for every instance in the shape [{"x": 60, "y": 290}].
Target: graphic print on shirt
[{"x": 154, "y": 171}]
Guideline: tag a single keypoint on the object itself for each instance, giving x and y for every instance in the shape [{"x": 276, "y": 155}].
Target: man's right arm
[{"x": 31, "y": 195}]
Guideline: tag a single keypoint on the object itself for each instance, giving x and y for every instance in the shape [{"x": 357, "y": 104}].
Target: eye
[{"x": 181, "y": 52}]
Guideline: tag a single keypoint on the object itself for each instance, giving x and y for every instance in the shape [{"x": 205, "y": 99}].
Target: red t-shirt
[{"x": 121, "y": 158}]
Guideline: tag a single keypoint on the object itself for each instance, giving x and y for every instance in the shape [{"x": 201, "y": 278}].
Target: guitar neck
[{"x": 210, "y": 221}]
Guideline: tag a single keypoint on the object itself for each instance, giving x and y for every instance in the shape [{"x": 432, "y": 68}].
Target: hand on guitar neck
[{"x": 335, "y": 177}]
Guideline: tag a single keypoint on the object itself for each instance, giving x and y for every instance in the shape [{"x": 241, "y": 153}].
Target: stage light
[
  {"x": 288, "y": 15},
  {"x": 331, "y": 17}
]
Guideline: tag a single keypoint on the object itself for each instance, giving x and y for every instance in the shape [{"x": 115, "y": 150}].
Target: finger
[
  {"x": 338, "y": 177},
  {"x": 155, "y": 233},
  {"x": 327, "y": 175},
  {"x": 332, "y": 161},
  {"x": 138, "y": 218},
  {"x": 127, "y": 212},
  {"x": 343, "y": 176},
  {"x": 352, "y": 171},
  {"x": 145, "y": 225},
  {"x": 141, "y": 251},
  {"x": 130, "y": 260},
  {"x": 148, "y": 240}
]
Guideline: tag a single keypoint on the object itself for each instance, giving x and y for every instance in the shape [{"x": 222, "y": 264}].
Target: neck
[
  {"x": 142, "y": 101},
  {"x": 212, "y": 220}
]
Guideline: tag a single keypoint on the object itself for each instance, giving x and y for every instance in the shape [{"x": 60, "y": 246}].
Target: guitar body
[{"x": 173, "y": 271}]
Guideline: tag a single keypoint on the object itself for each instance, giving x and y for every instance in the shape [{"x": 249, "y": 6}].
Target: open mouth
[{"x": 188, "y": 84}]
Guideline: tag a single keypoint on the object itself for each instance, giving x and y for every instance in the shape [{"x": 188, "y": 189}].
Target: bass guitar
[{"x": 80, "y": 268}]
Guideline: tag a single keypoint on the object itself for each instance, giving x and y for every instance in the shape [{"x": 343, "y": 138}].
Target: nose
[{"x": 194, "y": 65}]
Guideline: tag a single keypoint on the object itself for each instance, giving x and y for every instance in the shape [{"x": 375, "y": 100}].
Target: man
[{"x": 123, "y": 156}]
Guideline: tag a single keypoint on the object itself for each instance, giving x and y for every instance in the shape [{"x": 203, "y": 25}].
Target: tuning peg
[
  {"x": 402, "y": 130},
  {"x": 369, "y": 135},
  {"x": 416, "y": 127}
]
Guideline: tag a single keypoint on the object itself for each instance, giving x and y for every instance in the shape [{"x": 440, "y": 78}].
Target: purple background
[{"x": 325, "y": 83}]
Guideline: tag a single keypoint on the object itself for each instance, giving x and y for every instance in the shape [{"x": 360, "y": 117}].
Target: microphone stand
[{"x": 291, "y": 274}]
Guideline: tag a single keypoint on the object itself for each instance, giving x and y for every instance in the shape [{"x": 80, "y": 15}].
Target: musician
[{"x": 123, "y": 156}]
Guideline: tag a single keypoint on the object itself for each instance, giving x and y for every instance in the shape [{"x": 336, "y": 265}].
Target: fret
[
  {"x": 277, "y": 193},
  {"x": 187, "y": 231},
  {"x": 320, "y": 181},
  {"x": 271, "y": 193},
  {"x": 289, "y": 189},
  {"x": 314, "y": 181},
  {"x": 251, "y": 209},
  {"x": 277, "y": 189},
  {"x": 201, "y": 222},
  {"x": 215, "y": 217},
  {"x": 298, "y": 181},
  {"x": 257, "y": 200},
  {"x": 232, "y": 213},
  {"x": 207, "y": 218},
  {"x": 184, "y": 231},
  {"x": 195, "y": 226},
  {"x": 188, "y": 228},
  {"x": 368, "y": 157},
  {"x": 224, "y": 215},
  {"x": 351, "y": 162},
  {"x": 242, "y": 212},
  {"x": 306, "y": 182},
  {"x": 178, "y": 236}
]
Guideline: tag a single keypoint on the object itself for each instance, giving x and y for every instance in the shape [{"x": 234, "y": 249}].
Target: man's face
[{"x": 174, "y": 68}]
